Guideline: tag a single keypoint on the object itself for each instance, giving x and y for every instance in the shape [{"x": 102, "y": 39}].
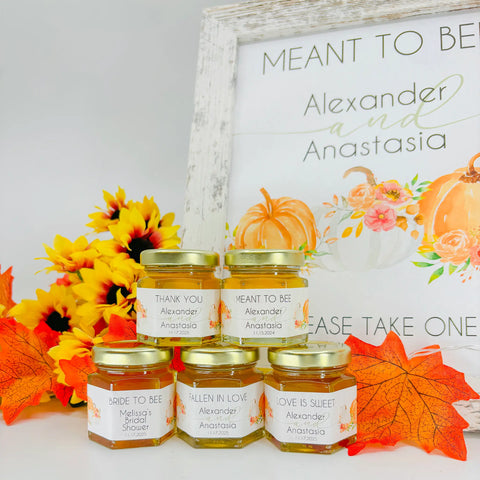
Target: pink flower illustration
[
  {"x": 475, "y": 255},
  {"x": 392, "y": 193},
  {"x": 380, "y": 217}
]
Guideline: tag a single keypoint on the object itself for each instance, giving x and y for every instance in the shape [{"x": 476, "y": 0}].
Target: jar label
[
  {"x": 311, "y": 417},
  {"x": 220, "y": 412},
  {"x": 264, "y": 313},
  {"x": 130, "y": 414},
  {"x": 178, "y": 312}
]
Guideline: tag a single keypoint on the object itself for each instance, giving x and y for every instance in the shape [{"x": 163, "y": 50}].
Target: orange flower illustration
[
  {"x": 454, "y": 247},
  {"x": 362, "y": 196}
]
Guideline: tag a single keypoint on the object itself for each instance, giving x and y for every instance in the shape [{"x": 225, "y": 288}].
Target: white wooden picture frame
[{"x": 223, "y": 30}]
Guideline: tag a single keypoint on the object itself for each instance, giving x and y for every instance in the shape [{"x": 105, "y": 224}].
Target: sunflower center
[
  {"x": 112, "y": 294},
  {"x": 58, "y": 323},
  {"x": 137, "y": 246},
  {"x": 115, "y": 215}
]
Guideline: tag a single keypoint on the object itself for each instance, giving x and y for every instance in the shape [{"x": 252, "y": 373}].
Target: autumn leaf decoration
[
  {"x": 407, "y": 399},
  {"x": 26, "y": 370}
]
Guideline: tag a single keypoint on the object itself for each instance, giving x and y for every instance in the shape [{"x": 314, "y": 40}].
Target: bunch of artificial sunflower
[{"x": 94, "y": 299}]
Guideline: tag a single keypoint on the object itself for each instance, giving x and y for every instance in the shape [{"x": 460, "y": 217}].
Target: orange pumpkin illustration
[
  {"x": 452, "y": 202},
  {"x": 283, "y": 223}
]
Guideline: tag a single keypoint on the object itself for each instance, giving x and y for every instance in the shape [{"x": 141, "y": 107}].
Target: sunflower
[
  {"x": 102, "y": 220},
  {"x": 70, "y": 257},
  {"x": 53, "y": 313},
  {"x": 133, "y": 234},
  {"x": 78, "y": 342},
  {"x": 108, "y": 288}
]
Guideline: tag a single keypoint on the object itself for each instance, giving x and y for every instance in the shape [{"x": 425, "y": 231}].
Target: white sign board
[{"x": 356, "y": 124}]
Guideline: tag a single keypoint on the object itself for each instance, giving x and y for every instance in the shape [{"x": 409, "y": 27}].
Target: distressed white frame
[{"x": 223, "y": 29}]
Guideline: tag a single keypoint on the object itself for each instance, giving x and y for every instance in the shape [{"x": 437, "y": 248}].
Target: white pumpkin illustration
[{"x": 375, "y": 226}]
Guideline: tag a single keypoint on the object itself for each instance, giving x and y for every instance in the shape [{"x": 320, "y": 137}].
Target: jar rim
[
  {"x": 311, "y": 355},
  {"x": 129, "y": 353},
  {"x": 265, "y": 257},
  {"x": 219, "y": 355},
  {"x": 176, "y": 257}
]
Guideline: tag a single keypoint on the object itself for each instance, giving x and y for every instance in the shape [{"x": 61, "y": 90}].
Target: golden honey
[
  {"x": 178, "y": 298},
  {"x": 131, "y": 396},
  {"x": 310, "y": 400},
  {"x": 264, "y": 300},
  {"x": 219, "y": 397}
]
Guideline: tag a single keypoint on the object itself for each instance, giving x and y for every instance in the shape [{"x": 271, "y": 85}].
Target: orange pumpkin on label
[
  {"x": 281, "y": 223},
  {"x": 452, "y": 202}
]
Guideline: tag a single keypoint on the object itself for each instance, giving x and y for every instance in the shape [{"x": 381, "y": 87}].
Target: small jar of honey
[
  {"x": 220, "y": 400},
  {"x": 264, "y": 300},
  {"x": 310, "y": 400},
  {"x": 131, "y": 395},
  {"x": 178, "y": 298}
]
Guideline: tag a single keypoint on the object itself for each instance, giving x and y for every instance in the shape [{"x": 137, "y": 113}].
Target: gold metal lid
[
  {"x": 129, "y": 353},
  {"x": 217, "y": 355},
  {"x": 311, "y": 355},
  {"x": 260, "y": 257},
  {"x": 166, "y": 257}
]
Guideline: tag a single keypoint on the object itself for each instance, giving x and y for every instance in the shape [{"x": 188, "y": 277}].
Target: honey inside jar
[
  {"x": 310, "y": 383},
  {"x": 219, "y": 399},
  {"x": 131, "y": 395},
  {"x": 264, "y": 300},
  {"x": 178, "y": 298}
]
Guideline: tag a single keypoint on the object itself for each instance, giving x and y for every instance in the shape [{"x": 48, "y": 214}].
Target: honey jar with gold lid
[
  {"x": 310, "y": 400},
  {"x": 131, "y": 395},
  {"x": 264, "y": 298},
  {"x": 178, "y": 298},
  {"x": 219, "y": 397}
]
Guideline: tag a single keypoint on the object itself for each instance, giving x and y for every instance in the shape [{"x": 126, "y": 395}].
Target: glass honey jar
[
  {"x": 178, "y": 298},
  {"x": 131, "y": 395},
  {"x": 264, "y": 300},
  {"x": 219, "y": 400},
  {"x": 310, "y": 400}
]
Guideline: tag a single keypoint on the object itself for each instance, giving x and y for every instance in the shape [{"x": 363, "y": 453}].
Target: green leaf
[
  {"x": 423, "y": 264},
  {"x": 421, "y": 189},
  {"x": 467, "y": 264},
  {"x": 437, "y": 273},
  {"x": 302, "y": 246},
  {"x": 430, "y": 255},
  {"x": 347, "y": 215},
  {"x": 417, "y": 198},
  {"x": 344, "y": 202},
  {"x": 321, "y": 254},
  {"x": 426, "y": 182},
  {"x": 414, "y": 181},
  {"x": 451, "y": 268}
]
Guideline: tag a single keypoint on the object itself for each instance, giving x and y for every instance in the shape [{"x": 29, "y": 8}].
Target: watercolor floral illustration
[
  {"x": 301, "y": 315},
  {"x": 451, "y": 209},
  {"x": 46, "y": 342},
  {"x": 258, "y": 417}
]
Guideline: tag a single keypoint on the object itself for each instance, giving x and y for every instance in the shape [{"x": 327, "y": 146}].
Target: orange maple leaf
[
  {"x": 120, "y": 329},
  {"x": 407, "y": 399},
  {"x": 76, "y": 372},
  {"x": 26, "y": 369},
  {"x": 6, "y": 279}
]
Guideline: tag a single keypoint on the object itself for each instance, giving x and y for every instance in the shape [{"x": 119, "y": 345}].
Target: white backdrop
[{"x": 94, "y": 94}]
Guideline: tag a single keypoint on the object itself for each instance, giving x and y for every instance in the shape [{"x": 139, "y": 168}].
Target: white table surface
[{"x": 50, "y": 441}]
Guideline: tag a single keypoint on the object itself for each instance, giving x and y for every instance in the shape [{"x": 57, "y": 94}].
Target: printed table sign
[{"x": 375, "y": 129}]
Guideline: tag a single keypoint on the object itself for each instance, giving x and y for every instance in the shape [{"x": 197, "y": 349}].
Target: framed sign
[{"x": 355, "y": 128}]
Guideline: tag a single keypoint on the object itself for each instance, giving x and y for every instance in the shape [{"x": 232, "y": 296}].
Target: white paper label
[
  {"x": 220, "y": 412},
  {"x": 311, "y": 417},
  {"x": 264, "y": 313},
  {"x": 177, "y": 312},
  {"x": 130, "y": 414}
]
